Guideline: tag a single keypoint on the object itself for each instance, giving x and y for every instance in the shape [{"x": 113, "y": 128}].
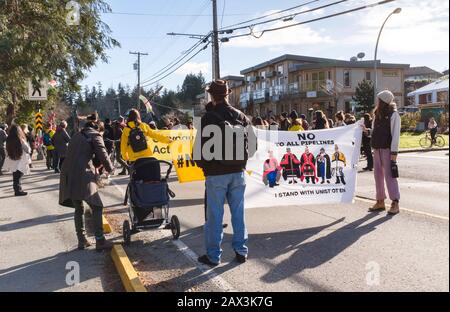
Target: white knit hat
[{"x": 386, "y": 96}]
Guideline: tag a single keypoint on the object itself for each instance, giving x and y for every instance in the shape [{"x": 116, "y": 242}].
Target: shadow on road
[
  {"x": 305, "y": 255},
  {"x": 49, "y": 274},
  {"x": 311, "y": 254},
  {"x": 35, "y": 221}
]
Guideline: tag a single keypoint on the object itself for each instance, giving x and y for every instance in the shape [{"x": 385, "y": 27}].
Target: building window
[
  {"x": 347, "y": 79},
  {"x": 429, "y": 98},
  {"x": 280, "y": 69},
  {"x": 329, "y": 75},
  {"x": 390, "y": 73},
  {"x": 368, "y": 75},
  {"x": 263, "y": 75}
]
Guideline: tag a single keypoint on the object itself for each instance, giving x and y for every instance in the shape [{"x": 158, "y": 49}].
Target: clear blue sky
[{"x": 418, "y": 36}]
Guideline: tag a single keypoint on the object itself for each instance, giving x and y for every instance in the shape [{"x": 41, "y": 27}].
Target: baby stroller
[{"x": 148, "y": 196}]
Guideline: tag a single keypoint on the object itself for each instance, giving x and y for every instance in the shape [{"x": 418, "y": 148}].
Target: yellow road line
[
  {"x": 106, "y": 226},
  {"x": 431, "y": 215},
  {"x": 128, "y": 275}
]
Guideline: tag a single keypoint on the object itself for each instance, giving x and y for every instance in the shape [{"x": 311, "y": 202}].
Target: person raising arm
[{"x": 136, "y": 148}]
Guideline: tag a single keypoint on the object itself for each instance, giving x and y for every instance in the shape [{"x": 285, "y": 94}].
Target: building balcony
[
  {"x": 245, "y": 99},
  {"x": 261, "y": 96}
]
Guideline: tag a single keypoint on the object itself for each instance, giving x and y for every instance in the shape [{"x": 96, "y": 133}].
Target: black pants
[
  {"x": 433, "y": 133},
  {"x": 2, "y": 157},
  {"x": 340, "y": 179},
  {"x": 368, "y": 152},
  {"x": 119, "y": 157},
  {"x": 17, "y": 176},
  {"x": 55, "y": 160},
  {"x": 49, "y": 159},
  {"x": 97, "y": 214}
]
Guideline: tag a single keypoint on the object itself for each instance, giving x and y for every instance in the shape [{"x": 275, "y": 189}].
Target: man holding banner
[{"x": 224, "y": 173}]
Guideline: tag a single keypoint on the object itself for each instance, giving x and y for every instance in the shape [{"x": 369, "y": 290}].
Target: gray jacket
[
  {"x": 61, "y": 141},
  {"x": 77, "y": 180}
]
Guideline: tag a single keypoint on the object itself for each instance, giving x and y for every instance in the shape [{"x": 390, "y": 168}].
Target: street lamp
[{"x": 396, "y": 11}]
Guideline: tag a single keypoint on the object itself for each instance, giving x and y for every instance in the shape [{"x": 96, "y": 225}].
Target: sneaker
[
  {"x": 367, "y": 169},
  {"x": 379, "y": 206},
  {"x": 83, "y": 244},
  {"x": 205, "y": 260},
  {"x": 240, "y": 258},
  {"x": 20, "y": 193},
  {"x": 103, "y": 244},
  {"x": 395, "y": 208}
]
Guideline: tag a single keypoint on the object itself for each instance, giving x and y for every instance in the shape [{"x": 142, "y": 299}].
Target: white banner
[{"x": 303, "y": 168}]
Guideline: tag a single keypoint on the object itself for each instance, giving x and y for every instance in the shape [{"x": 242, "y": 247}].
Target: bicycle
[{"x": 427, "y": 142}]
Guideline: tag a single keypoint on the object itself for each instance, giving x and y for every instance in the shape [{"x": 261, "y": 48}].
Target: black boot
[
  {"x": 102, "y": 244},
  {"x": 17, "y": 175},
  {"x": 83, "y": 243}
]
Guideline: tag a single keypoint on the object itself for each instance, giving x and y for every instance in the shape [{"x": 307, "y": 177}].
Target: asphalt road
[
  {"x": 316, "y": 248},
  {"x": 38, "y": 242},
  {"x": 298, "y": 248}
]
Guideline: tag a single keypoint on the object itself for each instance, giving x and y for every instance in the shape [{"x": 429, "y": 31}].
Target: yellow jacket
[
  {"x": 51, "y": 133},
  {"x": 296, "y": 128},
  {"x": 127, "y": 151}
]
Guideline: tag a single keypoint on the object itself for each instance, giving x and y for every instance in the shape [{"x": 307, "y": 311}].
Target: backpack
[
  {"x": 47, "y": 139},
  {"x": 137, "y": 139},
  {"x": 229, "y": 126}
]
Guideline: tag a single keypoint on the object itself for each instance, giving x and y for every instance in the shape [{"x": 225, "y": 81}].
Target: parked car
[{"x": 408, "y": 109}]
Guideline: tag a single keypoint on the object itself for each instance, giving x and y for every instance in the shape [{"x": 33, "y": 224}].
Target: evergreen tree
[{"x": 364, "y": 96}]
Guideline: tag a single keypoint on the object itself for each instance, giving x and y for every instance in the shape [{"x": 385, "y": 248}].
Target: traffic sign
[
  {"x": 37, "y": 94},
  {"x": 38, "y": 122}
]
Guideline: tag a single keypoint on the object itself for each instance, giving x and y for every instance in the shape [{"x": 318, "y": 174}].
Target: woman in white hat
[{"x": 385, "y": 135}]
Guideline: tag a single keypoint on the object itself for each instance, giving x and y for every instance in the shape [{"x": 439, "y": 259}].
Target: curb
[
  {"x": 106, "y": 226},
  {"x": 415, "y": 150},
  {"x": 128, "y": 275}
]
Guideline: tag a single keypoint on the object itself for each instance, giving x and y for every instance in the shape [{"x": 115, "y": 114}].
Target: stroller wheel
[
  {"x": 126, "y": 232},
  {"x": 175, "y": 227}
]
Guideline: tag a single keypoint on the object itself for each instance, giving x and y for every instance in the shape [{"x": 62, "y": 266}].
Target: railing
[
  {"x": 314, "y": 85},
  {"x": 260, "y": 96}
]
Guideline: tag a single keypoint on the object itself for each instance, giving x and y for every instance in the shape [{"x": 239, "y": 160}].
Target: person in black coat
[
  {"x": 323, "y": 166},
  {"x": 366, "y": 143}
]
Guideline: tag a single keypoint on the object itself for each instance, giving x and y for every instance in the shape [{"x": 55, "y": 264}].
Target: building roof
[
  {"x": 436, "y": 86},
  {"x": 421, "y": 70},
  {"x": 233, "y": 78},
  {"x": 318, "y": 62},
  {"x": 347, "y": 64}
]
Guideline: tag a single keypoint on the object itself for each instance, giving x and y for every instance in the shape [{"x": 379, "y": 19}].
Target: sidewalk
[{"x": 414, "y": 150}]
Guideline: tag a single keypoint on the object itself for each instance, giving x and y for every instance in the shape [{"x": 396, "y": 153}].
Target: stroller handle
[{"x": 144, "y": 161}]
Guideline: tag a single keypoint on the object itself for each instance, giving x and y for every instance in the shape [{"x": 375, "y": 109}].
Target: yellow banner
[{"x": 179, "y": 153}]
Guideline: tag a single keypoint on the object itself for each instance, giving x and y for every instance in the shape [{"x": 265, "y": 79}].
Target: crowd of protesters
[
  {"x": 94, "y": 148},
  {"x": 299, "y": 122}
]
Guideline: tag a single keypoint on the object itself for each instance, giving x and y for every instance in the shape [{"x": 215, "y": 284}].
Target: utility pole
[
  {"x": 118, "y": 104},
  {"x": 215, "y": 43},
  {"x": 139, "y": 74}
]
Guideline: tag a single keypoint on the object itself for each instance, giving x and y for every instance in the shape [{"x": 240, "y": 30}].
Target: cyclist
[{"x": 433, "y": 127}]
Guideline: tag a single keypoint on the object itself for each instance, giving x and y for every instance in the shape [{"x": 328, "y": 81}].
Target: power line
[
  {"x": 167, "y": 46},
  {"x": 174, "y": 70},
  {"x": 312, "y": 20},
  {"x": 285, "y": 17},
  {"x": 177, "y": 60},
  {"x": 223, "y": 12},
  {"x": 173, "y": 15},
  {"x": 272, "y": 14}
]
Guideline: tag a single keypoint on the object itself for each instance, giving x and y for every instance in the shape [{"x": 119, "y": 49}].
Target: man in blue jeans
[{"x": 223, "y": 160}]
